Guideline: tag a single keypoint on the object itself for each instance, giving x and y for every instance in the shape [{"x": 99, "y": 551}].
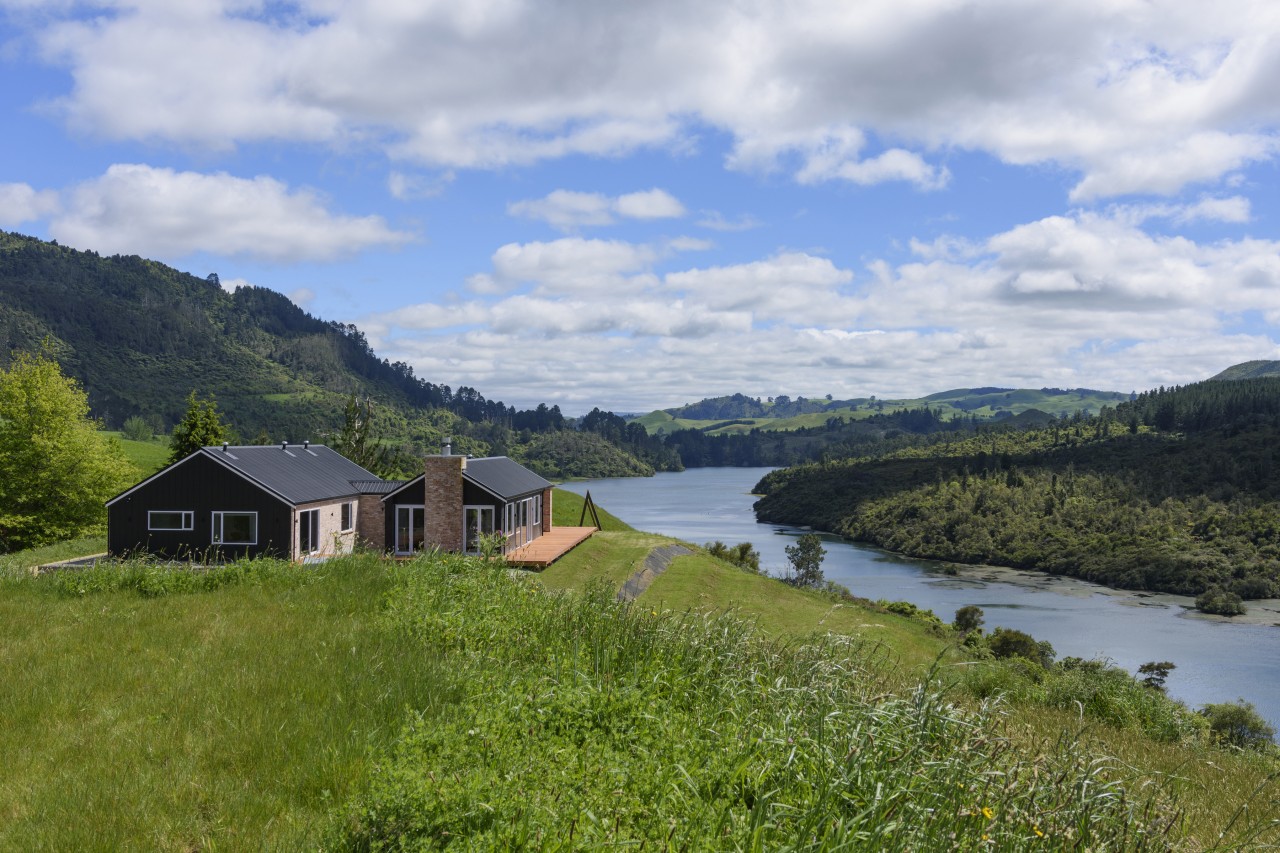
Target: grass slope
[
  {"x": 148, "y": 456},
  {"x": 232, "y": 719},
  {"x": 368, "y": 704}
]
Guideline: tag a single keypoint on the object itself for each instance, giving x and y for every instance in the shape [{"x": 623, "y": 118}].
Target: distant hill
[
  {"x": 739, "y": 413},
  {"x": 139, "y": 336},
  {"x": 1249, "y": 370}
]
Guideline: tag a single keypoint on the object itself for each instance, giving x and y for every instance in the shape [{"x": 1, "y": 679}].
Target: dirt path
[{"x": 657, "y": 562}]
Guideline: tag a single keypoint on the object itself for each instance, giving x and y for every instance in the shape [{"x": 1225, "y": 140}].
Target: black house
[
  {"x": 288, "y": 501},
  {"x": 458, "y": 498}
]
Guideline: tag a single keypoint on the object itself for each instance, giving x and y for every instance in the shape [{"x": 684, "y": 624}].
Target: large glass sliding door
[
  {"x": 410, "y": 537},
  {"x": 476, "y": 520},
  {"x": 523, "y": 521}
]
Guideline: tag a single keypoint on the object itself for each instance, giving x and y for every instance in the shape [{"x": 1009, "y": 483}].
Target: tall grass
[
  {"x": 148, "y": 714},
  {"x": 585, "y": 722}
]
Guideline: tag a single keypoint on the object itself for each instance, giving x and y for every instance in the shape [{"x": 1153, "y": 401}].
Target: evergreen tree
[
  {"x": 201, "y": 426},
  {"x": 356, "y": 440},
  {"x": 806, "y": 560},
  {"x": 56, "y": 468}
]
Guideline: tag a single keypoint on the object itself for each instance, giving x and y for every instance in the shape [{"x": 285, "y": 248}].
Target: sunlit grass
[
  {"x": 566, "y": 511},
  {"x": 19, "y": 564},
  {"x": 148, "y": 456},
  {"x": 232, "y": 719}
]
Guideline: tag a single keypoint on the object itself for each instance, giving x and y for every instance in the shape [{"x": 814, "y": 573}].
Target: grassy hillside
[
  {"x": 148, "y": 456},
  {"x": 1250, "y": 370},
  {"x": 367, "y": 704},
  {"x": 738, "y": 414},
  {"x": 235, "y": 718}
]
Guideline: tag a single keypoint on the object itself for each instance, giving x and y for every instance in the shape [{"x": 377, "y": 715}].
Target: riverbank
[
  {"x": 1217, "y": 659},
  {"x": 1260, "y": 612}
]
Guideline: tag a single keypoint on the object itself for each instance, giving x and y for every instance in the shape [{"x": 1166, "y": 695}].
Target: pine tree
[{"x": 201, "y": 426}]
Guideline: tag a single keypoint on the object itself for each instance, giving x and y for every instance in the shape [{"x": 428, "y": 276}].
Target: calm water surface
[{"x": 1217, "y": 661}]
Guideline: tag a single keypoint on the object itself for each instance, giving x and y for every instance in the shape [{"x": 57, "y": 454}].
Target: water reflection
[{"x": 1216, "y": 660}]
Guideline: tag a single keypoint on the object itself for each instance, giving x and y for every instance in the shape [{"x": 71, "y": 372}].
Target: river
[{"x": 1217, "y": 660}]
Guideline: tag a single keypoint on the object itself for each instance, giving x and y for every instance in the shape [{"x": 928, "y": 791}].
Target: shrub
[
  {"x": 1008, "y": 643},
  {"x": 1238, "y": 724},
  {"x": 1220, "y": 602},
  {"x": 968, "y": 618},
  {"x": 743, "y": 555},
  {"x": 136, "y": 429},
  {"x": 1156, "y": 672}
]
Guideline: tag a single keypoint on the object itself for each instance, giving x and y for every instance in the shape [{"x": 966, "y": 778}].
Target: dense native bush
[
  {"x": 1220, "y": 602},
  {"x": 1119, "y": 498},
  {"x": 588, "y": 723}
]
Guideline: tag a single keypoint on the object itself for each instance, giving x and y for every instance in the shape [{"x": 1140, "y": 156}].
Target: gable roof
[
  {"x": 503, "y": 477},
  {"x": 296, "y": 474},
  {"x": 400, "y": 485}
]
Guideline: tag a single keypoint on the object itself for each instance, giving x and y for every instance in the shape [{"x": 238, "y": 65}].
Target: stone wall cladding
[
  {"x": 371, "y": 522},
  {"x": 443, "y": 506}
]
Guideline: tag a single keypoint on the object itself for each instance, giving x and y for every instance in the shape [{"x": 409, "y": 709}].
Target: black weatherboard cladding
[{"x": 202, "y": 487}]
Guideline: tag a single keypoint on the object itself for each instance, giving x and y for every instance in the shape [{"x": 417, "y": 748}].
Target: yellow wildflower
[{"x": 987, "y": 812}]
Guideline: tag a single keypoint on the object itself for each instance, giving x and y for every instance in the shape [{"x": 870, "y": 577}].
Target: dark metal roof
[
  {"x": 503, "y": 477},
  {"x": 376, "y": 487},
  {"x": 295, "y": 473}
]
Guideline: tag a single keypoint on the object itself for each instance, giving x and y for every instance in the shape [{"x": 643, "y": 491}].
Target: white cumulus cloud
[
  {"x": 1132, "y": 97},
  {"x": 160, "y": 212},
  {"x": 569, "y": 210},
  {"x": 21, "y": 203}
]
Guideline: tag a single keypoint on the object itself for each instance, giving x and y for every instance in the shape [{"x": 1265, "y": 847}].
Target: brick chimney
[{"x": 443, "y": 506}]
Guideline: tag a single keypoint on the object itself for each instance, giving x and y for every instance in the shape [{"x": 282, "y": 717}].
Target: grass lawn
[
  {"x": 149, "y": 456},
  {"x": 566, "y": 511},
  {"x": 22, "y": 562},
  {"x": 232, "y": 719},
  {"x": 702, "y": 582}
]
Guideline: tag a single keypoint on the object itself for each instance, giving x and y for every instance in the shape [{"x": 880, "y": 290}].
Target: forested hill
[
  {"x": 1176, "y": 490},
  {"x": 140, "y": 336},
  {"x": 1250, "y": 370}
]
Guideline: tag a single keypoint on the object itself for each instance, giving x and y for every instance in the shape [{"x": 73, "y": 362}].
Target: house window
[
  {"x": 348, "y": 516},
  {"x": 170, "y": 520},
  {"x": 477, "y": 520},
  {"x": 309, "y": 531},
  {"x": 410, "y": 529},
  {"x": 235, "y": 528}
]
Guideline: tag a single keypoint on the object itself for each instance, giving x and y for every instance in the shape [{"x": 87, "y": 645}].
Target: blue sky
[{"x": 637, "y": 205}]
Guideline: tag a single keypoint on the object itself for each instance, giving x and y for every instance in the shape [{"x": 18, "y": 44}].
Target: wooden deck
[{"x": 549, "y": 547}]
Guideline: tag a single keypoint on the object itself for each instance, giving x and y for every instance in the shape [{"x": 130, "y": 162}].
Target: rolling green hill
[
  {"x": 1249, "y": 370},
  {"x": 740, "y": 414}
]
